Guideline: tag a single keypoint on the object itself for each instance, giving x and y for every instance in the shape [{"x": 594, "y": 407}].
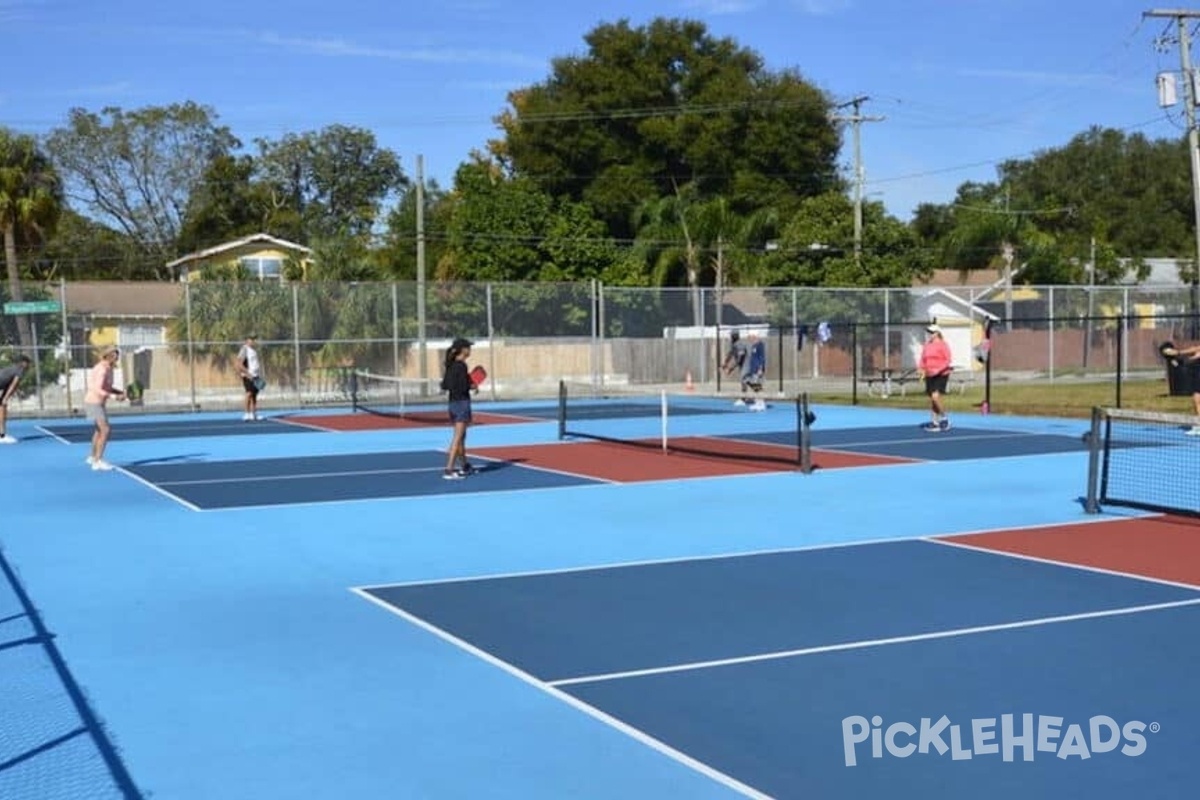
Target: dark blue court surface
[
  {"x": 131, "y": 429},
  {"x": 210, "y": 485},
  {"x": 775, "y": 669}
]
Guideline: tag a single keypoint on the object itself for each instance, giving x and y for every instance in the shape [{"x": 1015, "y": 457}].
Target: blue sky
[{"x": 962, "y": 83}]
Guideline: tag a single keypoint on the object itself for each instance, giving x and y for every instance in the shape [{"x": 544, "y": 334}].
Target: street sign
[{"x": 34, "y": 307}]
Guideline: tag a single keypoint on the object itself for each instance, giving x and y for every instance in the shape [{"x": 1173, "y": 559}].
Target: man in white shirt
[{"x": 250, "y": 368}]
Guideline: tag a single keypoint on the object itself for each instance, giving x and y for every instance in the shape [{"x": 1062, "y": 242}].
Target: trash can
[{"x": 1183, "y": 375}]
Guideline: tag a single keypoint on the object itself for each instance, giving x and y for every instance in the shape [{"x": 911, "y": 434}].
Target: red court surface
[
  {"x": 377, "y": 422},
  {"x": 627, "y": 463},
  {"x": 1162, "y": 548}
]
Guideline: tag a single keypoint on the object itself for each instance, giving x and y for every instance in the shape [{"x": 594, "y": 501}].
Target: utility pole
[
  {"x": 856, "y": 119},
  {"x": 1181, "y": 17},
  {"x": 421, "y": 349}
]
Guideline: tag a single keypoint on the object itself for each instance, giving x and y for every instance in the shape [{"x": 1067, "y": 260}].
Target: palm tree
[{"x": 31, "y": 200}]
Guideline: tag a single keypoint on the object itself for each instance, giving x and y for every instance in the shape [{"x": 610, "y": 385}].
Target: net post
[
  {"x": 1092, "y": 504},
  {"x": 354, "y": 404},
  {"x": 562, "y": 410},
  {"x": 802, "y": 412}
]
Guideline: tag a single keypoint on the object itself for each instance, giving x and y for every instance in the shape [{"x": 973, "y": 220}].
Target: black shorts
[
  {"x": 4, "y": 391},
  {"x": 250, "y": 386},
  {"x": 937, "y": 383}
]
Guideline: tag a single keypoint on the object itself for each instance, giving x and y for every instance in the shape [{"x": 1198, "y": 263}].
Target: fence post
[
  {"x": 854, "y": 363},
  {"x": 491, "y": 327},
  {"x": 66, "y": 340},
  {"x": 1120, "y": 353},
  {"x": 296, "y": 338},
  {"x": 396, "y": 332},
  {"x": 600, "y": 293},
  {"x": 191, "y": 343},
  {"x": 1050, "y": 335}
]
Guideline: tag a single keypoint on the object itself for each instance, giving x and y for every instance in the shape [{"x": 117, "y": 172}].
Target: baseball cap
[
  {"x": 934, "y": 328},
  {"x": 461, "y": 344}
]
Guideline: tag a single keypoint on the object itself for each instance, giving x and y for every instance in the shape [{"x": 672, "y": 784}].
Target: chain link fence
[{"x": 179, "y": 340}]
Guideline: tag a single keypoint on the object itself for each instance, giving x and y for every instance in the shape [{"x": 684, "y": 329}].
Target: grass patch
[{"x": 1062, "y": 399}]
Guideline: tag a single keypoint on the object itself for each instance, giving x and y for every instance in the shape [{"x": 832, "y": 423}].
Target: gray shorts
[{"x": 95, "y": 412}]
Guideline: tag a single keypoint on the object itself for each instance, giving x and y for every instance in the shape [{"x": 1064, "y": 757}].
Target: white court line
[
  {"x": 832, "y": 648},
  {"x": 289, "y": 421},
  {"x": 574, "y": 702},
  {"x": 1091, "y": 520},
  {"x": 52, "y": 434},
  {"x": 1055, "y": 563},
  {"x": 301, "y": 476},
  {"x": 158, "y": 488}
]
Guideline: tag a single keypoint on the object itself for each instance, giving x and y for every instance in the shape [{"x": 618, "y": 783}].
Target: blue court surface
[{"x": 233, "y": 613}]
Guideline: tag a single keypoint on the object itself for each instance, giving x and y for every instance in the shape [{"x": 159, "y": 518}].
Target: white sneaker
[
  {"x": 247, "y": 417},
  {"x": 739, "y": 402},
  {"x": 6, "y": 439},
  {"x": 89, "y": 460},
  {"x": 759, "y": 405},
  {"x": 1194, "y": 431},
  {"x": 101, "y": 466}
]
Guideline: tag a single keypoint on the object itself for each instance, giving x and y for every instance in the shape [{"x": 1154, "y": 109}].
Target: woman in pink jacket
[{"x": 935, "y": 367}]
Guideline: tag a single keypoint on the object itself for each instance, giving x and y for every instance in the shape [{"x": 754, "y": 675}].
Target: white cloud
[
  {"x": 721, "y": 7},
  {"x": 820, "y": 8},
  {"x": 343, "y": 48}
]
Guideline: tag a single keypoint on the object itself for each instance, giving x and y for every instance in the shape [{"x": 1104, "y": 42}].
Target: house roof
[
  {"x": 254, "y": 238},
  {"x": 980, "y": 278},
  {"x": 122, "y": 299},
  {"x": 953, "y": 299}
]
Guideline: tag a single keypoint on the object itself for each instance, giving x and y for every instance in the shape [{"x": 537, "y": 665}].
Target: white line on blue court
[
  {"x": 298, "y": 424},
  {"x": 1089, "y": 520},
  {"x": 1082, "y": 567},
  {"x": 159, "y": 489},
  {"x": 574, "y": 702},
  {"x": 51, "y": 433},
  {"x": 833, "y": 648}
]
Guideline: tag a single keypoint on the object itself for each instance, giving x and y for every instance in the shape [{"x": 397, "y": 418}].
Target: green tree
[
  {"x": 83, "y": 249},
  {"x": 31, "y": 201},
  {"x": 336, "y": 179},
  {"x": 232, "y": 202},
  {"x": 667, "y": 104},
  {"x": 136, "y": 170}
]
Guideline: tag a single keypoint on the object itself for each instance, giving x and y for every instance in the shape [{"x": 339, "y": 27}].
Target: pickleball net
[
  {"x": 672, "y": 422},
  {"x": 416, "y": 399},
  {"x": 1145, "y": 460}
]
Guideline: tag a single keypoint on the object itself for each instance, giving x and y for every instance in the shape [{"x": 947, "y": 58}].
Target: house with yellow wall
[{"x": 261, "y": 255}]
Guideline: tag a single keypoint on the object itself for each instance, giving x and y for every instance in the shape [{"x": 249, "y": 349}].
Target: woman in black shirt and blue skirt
[{"x": 458, "y": 384}]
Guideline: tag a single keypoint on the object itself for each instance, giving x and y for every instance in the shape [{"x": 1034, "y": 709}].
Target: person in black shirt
[{"x": 458, "y": 384}]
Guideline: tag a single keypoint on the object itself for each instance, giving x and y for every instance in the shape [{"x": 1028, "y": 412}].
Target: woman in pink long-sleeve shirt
[
  {"x": 99, "y": 389},
  {"x": 935, "y": 367}
]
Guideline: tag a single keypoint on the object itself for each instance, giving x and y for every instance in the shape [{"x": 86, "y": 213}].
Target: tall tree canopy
[
  {"x": 652, "y": 108},
  {"x": 136, "y": 170},
  {"x": 30, "y": 205}
]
